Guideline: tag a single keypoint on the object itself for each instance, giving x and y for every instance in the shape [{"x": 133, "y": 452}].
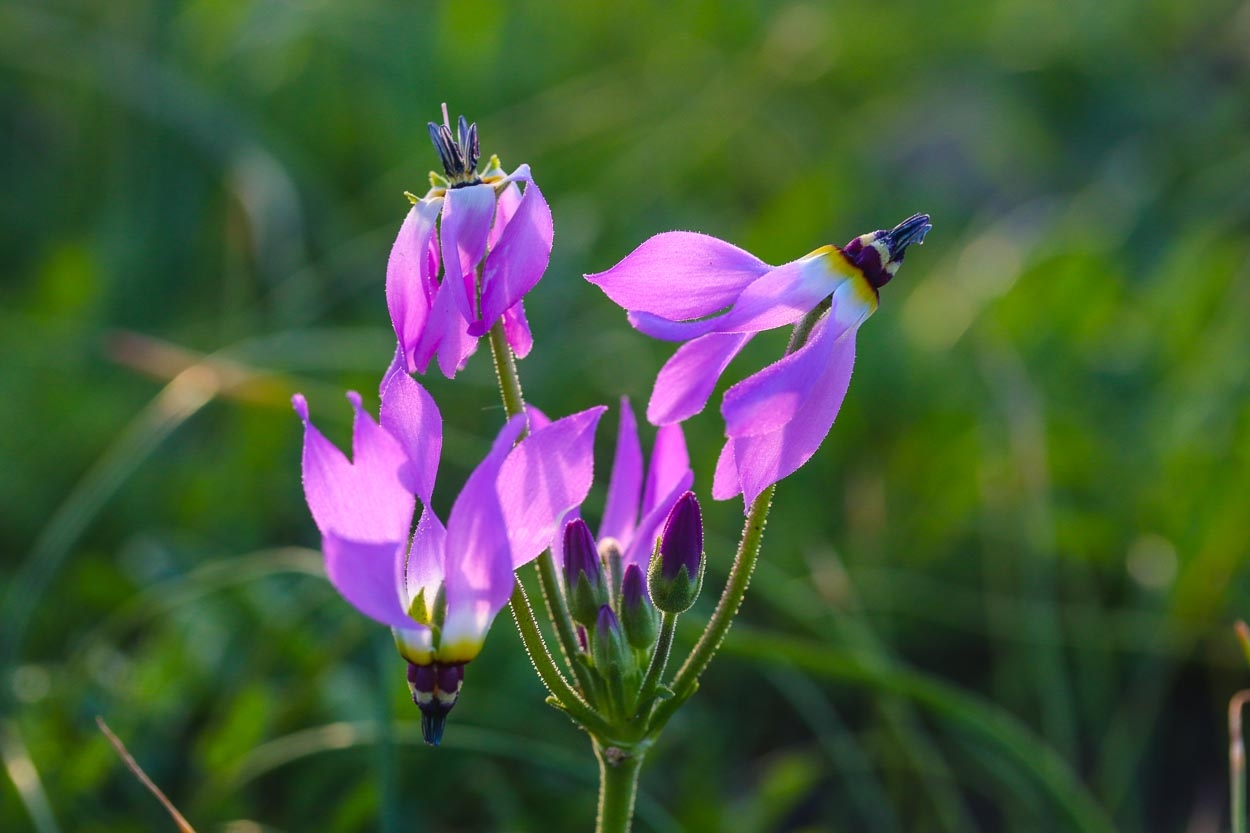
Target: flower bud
[
  {"x": 638, "y": 616},
  {"x": 583, "y": 573},
  {"x": 435, "y": 689},
  {"x": 608, "y": 647},
  {"x": 676, "y": 573}
]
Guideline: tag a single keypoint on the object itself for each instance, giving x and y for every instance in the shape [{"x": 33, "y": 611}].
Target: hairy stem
[
  {"x": 548, "y": 671},
  {"x": 557, "y": 608},
  {"x": 618, "y": 786},
  {"x": 659, "y": 659}
]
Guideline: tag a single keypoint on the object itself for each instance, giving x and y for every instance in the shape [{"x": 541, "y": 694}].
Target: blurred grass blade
[
  {"x": 331, "y": 737},
  {"x": 185, "y": 395},
  {"x": 134, "y": 767},
  {"x": 25, "y": 778},
  {"x": 1237, "y": 761},
  {"x": 1029, "y": 753}
]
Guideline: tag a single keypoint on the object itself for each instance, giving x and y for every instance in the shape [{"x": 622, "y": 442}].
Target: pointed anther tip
[{"x": 910, "y": 232}]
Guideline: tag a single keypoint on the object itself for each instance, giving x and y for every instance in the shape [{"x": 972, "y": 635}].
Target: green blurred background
[{"x": 1000, "y": 596}]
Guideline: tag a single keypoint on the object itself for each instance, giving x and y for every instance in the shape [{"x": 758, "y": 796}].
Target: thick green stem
[
  {"x": 557, "y": 608},
  {"x": 659, "y": 659},
  {"x": 548, "y": 671},
  {"x": 618, "y": 786}
]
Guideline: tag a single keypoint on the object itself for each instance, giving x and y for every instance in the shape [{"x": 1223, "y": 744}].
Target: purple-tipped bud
[
  {"x": 638, "y": 616},
  {"x": 435, "y": 689},
  {"x": 676, "y": 572},
  {"x": 583, "y": 573},
  {"x": 608, "y": 647}
]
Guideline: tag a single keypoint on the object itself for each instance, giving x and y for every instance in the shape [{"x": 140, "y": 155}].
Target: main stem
[{"x": 618, "y": 785}]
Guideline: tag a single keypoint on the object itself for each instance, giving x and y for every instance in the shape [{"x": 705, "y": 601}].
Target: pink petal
[
  {"x": 643, "y": 544},
  {"x": 725, "y": 482},
  {"x": 763, "y": 459},
  {"x": 517, "y": 329},
  {"x": 517, "y": 262},
  {"x": 506, "y": 202},
  {"x": 363, "y": 500},
  {"x": 478, "y": 555},
  {"x": 445, "y": 333},
  {"x": 426, "y": 562},
  {"x": 367, "y": 575},
  {"x": 620, "y": 512},
  {"x": 680, "y": 275},
  {"x": 768, "y": 400},
  {"x": 467, "y": 216},
  {"x": 544, "y": 477},
  {"x": 411, "y": 417},
  {"x": 410, "y": 280},
  {"x": 688, "y": 378},
  {"x": 670, "y": 465}
]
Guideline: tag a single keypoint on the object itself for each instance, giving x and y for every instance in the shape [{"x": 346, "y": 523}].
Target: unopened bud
[
  {"x": 583, "y": 573},
  {"x": 676, "y": 573},
  {"x": 608, "y": 647},
  {"x": 638, "y": 615}
]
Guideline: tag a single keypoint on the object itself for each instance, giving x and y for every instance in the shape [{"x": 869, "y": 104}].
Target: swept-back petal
[
  {"x": 762, "y": 459},
  {"x": 620, "y": 512},
  {"x": 445, "y": 334},
  {"x": 518, "y": 260},
  {"x": 766, "y": 401},
  {"x": 411, "y": 417},
  {"x": 780, "y": 297},
  {"x": 670, "y": 464},
  {"x": 506, "y": 202},
  {"x": 426, "y": 560},
  {"x": 411, "y": 275},
  {"x": 478, "y": 555},
  {"x": 363, "y": 500},
  {"x": 368, "y": 576},
  {"x": 643, "y": 543},
  {"x": 544, "y": 477},
  {"x": 467, "y": 216},
  {"x": 688, "y": 378},
  {"x": 517, "y": 329},
  {"x": 680, "y": 275}
]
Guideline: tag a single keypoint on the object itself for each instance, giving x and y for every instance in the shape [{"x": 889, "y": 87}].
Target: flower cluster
[{"x": 466, "y": 255}]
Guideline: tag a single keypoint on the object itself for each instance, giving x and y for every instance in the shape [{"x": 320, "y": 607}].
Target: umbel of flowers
[{"x": 465, "y": 256}]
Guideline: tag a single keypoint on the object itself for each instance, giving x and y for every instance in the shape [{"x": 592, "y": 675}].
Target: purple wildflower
[
  {"x": 777, "y": 418},
  {"x": 465, "y": 256},
  {"x": 455, "y": 578}
]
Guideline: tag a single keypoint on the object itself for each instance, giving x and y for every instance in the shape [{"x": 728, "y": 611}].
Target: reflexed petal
[
  {"x": 363, "y": 500},
  {"x": 643, "y": 544},
  {"x": 445, "y": 333},
  {"x": 467, "y": 216},
  {"x": 670, "y": 464},
  {"x": 411, "y": 417},
  {"x": 367, "y": 575},
  {"x": 425, "y": 566},
  {"x": 680, "y": 275},
  {"x": 764, "y": 459},
  {"x": 410, "y": 280},
  {"x": 544, "y": 477},
  {"x": 725, "y": 481},
  {"x": 688, "y": 378},
  {"x": 517, "y": 329},
  {"x": 620, "y": 512},
  {"x": 506, "y": 202},
  {"x": 517, "y": 262},
  {"x": 478, "y": 556},
  {"x": 769, "y": 399}
]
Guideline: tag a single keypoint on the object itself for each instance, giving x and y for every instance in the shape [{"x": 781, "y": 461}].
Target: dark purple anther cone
[
  {"x": 879, "y": 253},
  {"x": 458, "y": 152},
  {"x": 681, "y": 544},
  {"x": 580, "y": 554},
  {"x": 435, "y": 689}
]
